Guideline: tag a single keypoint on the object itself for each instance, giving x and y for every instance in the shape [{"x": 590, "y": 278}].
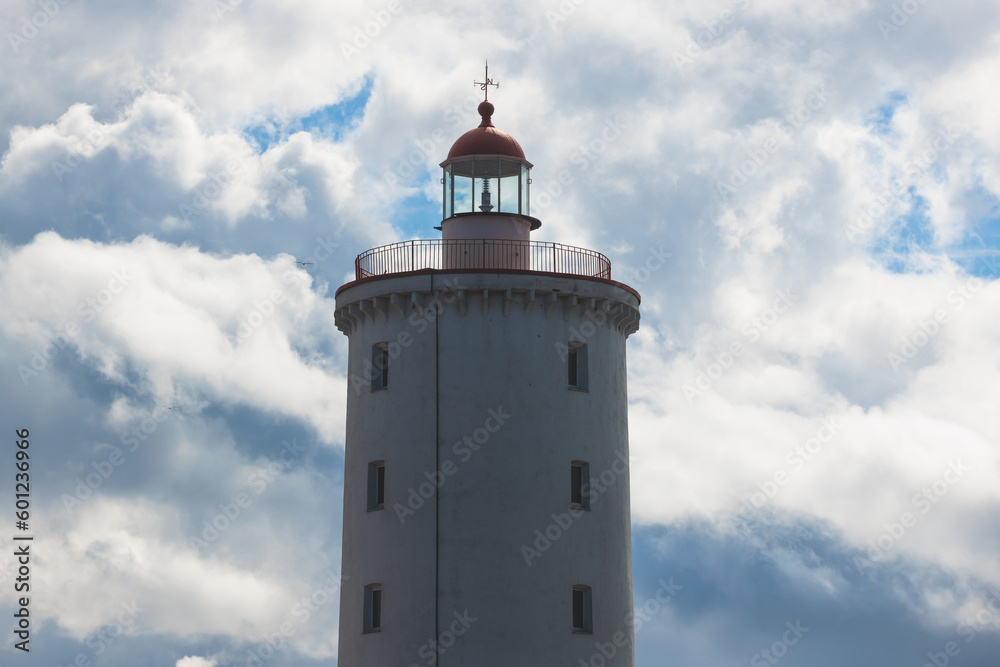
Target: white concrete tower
[{"x": 486, "y": 484}]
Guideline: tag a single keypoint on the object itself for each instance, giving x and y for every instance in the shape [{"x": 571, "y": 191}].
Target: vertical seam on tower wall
[{"x": 437, "y": 465}]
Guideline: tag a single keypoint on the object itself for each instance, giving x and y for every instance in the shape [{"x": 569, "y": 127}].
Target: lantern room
[{"x": 487, "y": 181}]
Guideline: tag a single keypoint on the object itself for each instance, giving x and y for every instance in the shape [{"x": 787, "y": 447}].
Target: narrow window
[
  {"x": 577, "y": 362},
  {"x": 583, "y": 620},
  {"x": 376, "y": 485},
  {"x": 373, "y": 608},
  {"x": 579, "y": 495},
  {"x": 380, "y": 366}
]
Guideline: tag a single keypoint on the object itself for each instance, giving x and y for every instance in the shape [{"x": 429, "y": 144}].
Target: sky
[{"x": 806, "y": 193}]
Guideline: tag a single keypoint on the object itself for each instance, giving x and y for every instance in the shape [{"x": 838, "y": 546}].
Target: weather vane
[{"x": 484, "y": 86}]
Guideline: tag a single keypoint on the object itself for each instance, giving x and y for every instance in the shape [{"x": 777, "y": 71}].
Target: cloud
[
  {"x": 195, "y": 662},
  {"x": 768, "y": 174},
  {"x": 153, "y": 573},
  {"x": 795, "y": 420},
  {"x": 165, "y": 173},
  {"x": 227, "y": 328}
]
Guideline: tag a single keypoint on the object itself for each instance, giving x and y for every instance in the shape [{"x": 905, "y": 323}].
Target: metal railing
[{"x": 481, "y": 254}]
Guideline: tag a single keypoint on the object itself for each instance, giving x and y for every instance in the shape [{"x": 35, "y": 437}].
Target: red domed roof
[{"x": 486, "y": 139}]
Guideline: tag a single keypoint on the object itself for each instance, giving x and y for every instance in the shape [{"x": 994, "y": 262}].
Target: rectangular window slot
[
  {"x": 373, "y": 608},
  {"x": 583, "y": 617},
  {"x": 380, "y": 366},
  {"x": 579, "y": 495},
  {"x": 376, "y": 485},
  {"x": 577, "y": 362}
]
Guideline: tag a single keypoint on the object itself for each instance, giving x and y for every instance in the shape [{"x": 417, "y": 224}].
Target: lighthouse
[{"x": 486, "y": 474}]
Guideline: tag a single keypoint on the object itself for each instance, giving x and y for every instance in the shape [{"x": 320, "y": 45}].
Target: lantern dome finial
[{"x": 486, "y": 110}]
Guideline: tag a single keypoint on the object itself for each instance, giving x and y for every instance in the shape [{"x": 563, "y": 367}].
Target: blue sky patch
[
  {"x": 880, "y": 120},
  {"x": 330, "y": 122},
  {"x": 909, "y": 233},
  {"x": 979, "y": 251},
  {"x": 417, "y": 216}
]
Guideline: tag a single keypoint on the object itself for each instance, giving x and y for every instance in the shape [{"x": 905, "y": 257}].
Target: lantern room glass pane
[
  {"x": 463, "y": 194},
  {"x": 462, "y": 186},
  {"x": 509, "y": 195}
]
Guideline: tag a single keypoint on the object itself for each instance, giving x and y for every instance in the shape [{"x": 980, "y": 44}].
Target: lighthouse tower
[{"x": 486, "y": 480}]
